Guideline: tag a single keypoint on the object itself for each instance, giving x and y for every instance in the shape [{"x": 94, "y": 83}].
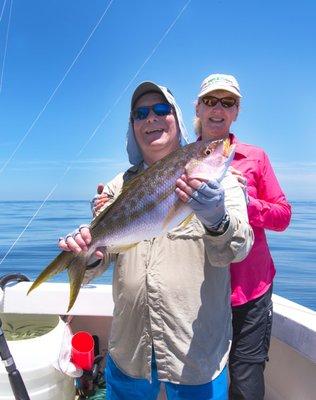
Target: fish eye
[{"x": 208, "y": 150}]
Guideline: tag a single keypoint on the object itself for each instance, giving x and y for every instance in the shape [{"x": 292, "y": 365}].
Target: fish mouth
[{"x": 203, "y": 172}]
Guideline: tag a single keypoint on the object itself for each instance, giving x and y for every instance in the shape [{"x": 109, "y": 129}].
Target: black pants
[{"x": 252, "y": 324}]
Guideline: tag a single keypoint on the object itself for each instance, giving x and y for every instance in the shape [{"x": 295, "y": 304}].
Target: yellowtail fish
[{"x": 147, "y": 207}]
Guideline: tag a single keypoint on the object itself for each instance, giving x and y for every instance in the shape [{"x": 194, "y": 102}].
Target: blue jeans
[{"x": 122, "y": 387}]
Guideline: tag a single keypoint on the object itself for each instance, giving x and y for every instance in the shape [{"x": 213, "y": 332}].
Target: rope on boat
[
  {"x": 99, "y": 395},
  {"x": 100, "y": 392}
]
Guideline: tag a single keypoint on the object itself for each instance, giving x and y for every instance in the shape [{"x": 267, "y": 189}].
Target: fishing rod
[{"x": 15, "y": 378}]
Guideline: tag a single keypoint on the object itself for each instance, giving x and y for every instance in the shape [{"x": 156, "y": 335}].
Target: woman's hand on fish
[
  {"x": 205, "y": 198},
  {"x": 78, "y": 241},
  {"x": 99, "y": 200}
]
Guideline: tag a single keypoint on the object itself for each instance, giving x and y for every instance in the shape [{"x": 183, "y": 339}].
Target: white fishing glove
[
  {"x": 208, "y": 204},
  {"x": 63, "y": 363}
]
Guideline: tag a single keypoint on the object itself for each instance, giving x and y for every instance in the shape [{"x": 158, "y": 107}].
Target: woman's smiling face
[{"x": 216, "y": 120}]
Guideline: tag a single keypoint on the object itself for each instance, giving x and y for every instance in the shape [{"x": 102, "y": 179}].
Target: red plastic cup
[{"x": 82, "y": 350}]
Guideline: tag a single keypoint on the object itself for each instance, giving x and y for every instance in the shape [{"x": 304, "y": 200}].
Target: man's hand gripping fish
[{"x": 146, "y": 208}]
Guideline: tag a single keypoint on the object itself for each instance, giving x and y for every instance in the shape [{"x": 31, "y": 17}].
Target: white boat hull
[{"x": 290, "y": 373}]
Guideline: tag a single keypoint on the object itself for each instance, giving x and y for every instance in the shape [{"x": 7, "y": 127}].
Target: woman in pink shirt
[{"x": 251, "y": 280}]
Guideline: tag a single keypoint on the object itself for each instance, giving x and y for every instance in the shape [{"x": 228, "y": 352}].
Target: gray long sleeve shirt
[{"x": 172, "y": 294}]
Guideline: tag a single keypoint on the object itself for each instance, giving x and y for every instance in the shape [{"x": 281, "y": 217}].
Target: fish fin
[
  {"x": 173, "y": 211},
  {"x": 76, "y": 273},
  {"x": 120, "y": 248},
  {"x": 226, "y": 147},
  {"x": 58, "y": 265},
  {"x": 187, "y": 220}
]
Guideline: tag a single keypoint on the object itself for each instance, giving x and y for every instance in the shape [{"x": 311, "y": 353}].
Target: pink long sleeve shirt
[{"x": 267, "y": 209}]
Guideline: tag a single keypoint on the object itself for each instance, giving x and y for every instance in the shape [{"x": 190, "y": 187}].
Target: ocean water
[{"x": 294, "y": 251}]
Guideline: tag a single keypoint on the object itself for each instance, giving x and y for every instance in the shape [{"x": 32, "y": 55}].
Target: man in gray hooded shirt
[{"x": 172, "y": 316}]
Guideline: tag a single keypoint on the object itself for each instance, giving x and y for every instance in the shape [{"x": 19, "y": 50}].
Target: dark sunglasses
[
  {"x": 226, "y": 102},
  {"x": 159, "y": 109}
]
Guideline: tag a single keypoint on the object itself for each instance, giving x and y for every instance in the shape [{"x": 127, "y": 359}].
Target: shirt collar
[{"x": 240, "y": 148}]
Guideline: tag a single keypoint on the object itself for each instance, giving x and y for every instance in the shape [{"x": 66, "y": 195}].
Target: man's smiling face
[{"x": 156, "y": 135}]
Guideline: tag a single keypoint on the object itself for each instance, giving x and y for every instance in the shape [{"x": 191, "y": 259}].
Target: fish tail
[
  {"x": 76, "y": 266},
  {"x": 59, "y": 264},
  {"x": 76, "y": 271}
]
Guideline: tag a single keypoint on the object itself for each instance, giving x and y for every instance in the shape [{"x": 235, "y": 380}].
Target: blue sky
[{"x": 269, "y": 46}]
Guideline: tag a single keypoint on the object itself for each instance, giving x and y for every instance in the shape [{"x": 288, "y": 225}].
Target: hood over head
[{"x": 133, "y": 150}]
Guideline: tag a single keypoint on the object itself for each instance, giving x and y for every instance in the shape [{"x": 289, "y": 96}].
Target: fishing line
[
  {"x": 35, "y": 214},
  {"x": 99, "y": 125},
  {"x": 134, "y": 77},
  {"x": 6, "y": 46},
  {"x": 3, "y": 7},
  {"x": 56, "y": 89}
]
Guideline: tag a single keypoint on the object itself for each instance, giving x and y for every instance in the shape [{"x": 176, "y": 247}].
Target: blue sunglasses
[{"x": 159, "y": 109}]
